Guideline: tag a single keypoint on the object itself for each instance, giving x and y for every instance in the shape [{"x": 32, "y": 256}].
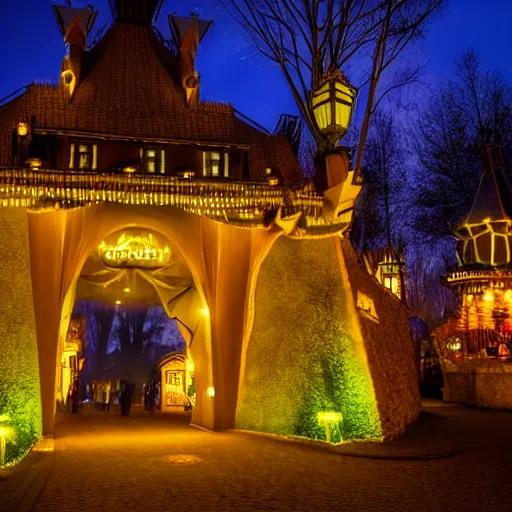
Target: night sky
[{"x": 31, "y": 48}]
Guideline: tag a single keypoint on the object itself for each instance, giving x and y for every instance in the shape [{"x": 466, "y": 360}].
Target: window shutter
[
  {"x": 226, "y": 164},
  {"x": 71, "y": 156}
]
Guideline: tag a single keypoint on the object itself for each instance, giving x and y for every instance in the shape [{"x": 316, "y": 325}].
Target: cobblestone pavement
[{"x": 104, "y": 462}]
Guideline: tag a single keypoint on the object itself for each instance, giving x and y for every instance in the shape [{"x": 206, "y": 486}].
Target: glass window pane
[
  {"x": 150, "y": 167},
  {"x": 151, "y": 153}
]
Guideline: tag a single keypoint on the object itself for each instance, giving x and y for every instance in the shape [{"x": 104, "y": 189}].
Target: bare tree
[
  {"x": 100, "y": 319},
  {"x": 140, "y": 328},
  {"x": 378, "y": 214},
  {"x": 448, "y": 144},
  {"x": 308, "y": 38}
]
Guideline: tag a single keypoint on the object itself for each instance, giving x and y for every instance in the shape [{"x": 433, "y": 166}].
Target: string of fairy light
[{"x": 246, "y": 201}]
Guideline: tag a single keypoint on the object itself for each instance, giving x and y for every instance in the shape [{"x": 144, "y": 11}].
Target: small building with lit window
[
  {"x": 388, "y": 267},
  {"x": 143, "y": 117}
]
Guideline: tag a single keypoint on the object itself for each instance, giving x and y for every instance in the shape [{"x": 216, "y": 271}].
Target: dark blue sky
[{"x": 31, "y": 48}]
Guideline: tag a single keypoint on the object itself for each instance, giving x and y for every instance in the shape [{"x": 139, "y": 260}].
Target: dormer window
[
  {"x": 153, "y": 160},
  {"x": 215, "y": 164},
  {"x": 83, "y": 156}
]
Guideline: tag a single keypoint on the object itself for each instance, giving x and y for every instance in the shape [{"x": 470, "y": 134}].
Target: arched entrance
[
  {"x": 132, "y": 274},
  {"x": 61, "y": 243}
]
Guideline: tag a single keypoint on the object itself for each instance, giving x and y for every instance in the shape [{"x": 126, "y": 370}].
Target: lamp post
[{"x": 332, "y": 104}]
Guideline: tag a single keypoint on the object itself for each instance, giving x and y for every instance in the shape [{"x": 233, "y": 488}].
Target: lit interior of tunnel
[{"x": 138, "y": 317}]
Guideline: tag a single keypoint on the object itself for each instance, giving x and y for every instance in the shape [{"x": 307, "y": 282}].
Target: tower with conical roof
[{"x": 484, "y": 277}]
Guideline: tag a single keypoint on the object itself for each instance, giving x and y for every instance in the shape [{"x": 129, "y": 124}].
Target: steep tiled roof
[
  {"x": 485, "y": 235},
  {"x": 131, "y": 87}
]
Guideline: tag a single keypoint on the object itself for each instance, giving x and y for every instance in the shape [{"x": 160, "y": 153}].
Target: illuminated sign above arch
[{"x": 134, "y": 249}]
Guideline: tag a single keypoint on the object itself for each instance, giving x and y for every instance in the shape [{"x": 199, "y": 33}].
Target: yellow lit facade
[{"x": 177, "y": 382}]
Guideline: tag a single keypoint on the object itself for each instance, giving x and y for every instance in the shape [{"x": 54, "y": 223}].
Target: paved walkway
[{"x": 104, "y": 462}]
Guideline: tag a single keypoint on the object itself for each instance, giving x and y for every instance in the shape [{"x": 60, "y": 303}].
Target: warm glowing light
[
  {"x": 210, "y": 392},
  {"x": 22, "y": 129},
  {"x": 488, "y": 296},
  {"x": 487, "y": 220},
  {"x": 205, "y": 311},
  {"x": 34, "y": 163},
  {"x": 6, "y": 432},
  {"x": 330, "y": 420},
  {"x": 129, "y": 170},
  {"x": 133, "y": 251},
  {"x": 118, "y": 302},
  {"x": 187, "y": 174},
  {"x": 126, "y": 290},
  {"x": 332, "y": 104},
  {"x": 190, "y": 366},
  {"x": 455, "y": 346},
  {"x": 69, "y": 79},
  {"x": 329, "y": 416}
]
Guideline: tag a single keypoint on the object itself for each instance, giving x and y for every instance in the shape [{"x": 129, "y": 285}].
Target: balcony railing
[{"x": 233, "y": 201}]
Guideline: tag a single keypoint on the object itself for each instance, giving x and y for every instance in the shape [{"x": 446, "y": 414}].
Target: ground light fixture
[
  {"x": 330, "y": 420},
  {"x": 6, "y": 432}
]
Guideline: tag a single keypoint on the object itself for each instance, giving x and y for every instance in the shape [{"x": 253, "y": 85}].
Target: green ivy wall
[
  {"x": 301, "y": 359},
  {"x": 19, "y": 373}
]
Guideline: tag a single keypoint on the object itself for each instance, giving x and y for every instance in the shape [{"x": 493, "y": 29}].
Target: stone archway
[{"x": 220, "y": 256}]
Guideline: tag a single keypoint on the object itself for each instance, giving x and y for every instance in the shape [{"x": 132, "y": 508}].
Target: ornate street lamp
[{"x": 332, "y": 103}]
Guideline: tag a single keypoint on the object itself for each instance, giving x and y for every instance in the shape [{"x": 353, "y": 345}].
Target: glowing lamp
[
  {"x": 34, "y": 163},
  {"x": 332, "y": 103},
  {"x": 126, "y": 290},
  {"x": 330, "y": 419},
  {"x": 329, "y": 416},
  {"x": 118, "y": 302},
  {"x": 129, "y": 170},
  {"x": 210, "y": 391},
  {"x": 488, "y": 296},
  {"x": 22, "y": 129},
  {"x": 5, "y": 434},
  {"x": 187, "y": 174}
]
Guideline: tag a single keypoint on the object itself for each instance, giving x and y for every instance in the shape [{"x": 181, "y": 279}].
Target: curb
[
  {"x": 27, "y": 492},
  {"x": 313, "y": 443},
  {"x": 202, "y": 428}
]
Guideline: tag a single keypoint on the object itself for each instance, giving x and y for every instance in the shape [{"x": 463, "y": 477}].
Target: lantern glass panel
[{"x": 323, "y": 115}]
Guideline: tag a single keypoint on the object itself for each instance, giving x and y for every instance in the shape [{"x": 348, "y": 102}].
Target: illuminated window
[
  {"x": 391, "y": 283},
  {"x": 83, "y": 156},
  {"x": 215, "y": 164},
  {"x": 154, "y": 161},
  {"x": 211, "y": 163}
]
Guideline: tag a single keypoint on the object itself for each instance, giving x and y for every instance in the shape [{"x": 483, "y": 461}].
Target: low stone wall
[{"x": 485, "y": 383}]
